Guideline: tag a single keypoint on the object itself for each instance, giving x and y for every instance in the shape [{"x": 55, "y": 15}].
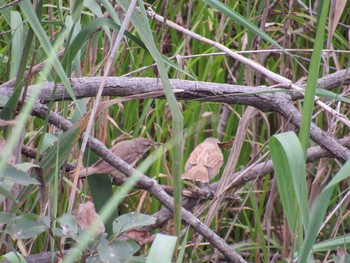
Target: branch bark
[{"x": 262, "y": 98}]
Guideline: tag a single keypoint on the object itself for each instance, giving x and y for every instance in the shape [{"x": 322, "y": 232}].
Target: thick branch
[
  {"x": 205, "y": 91},
  {"x": 263, "y": 98}
]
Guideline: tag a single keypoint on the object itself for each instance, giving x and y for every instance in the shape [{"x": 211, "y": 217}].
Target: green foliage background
[{"x": 75, "y": 40}]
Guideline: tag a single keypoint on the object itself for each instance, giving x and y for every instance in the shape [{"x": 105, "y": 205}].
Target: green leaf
[
  {"x": 7, "y": 217},
  {"x": 68, "y": 225},
  {"x": 18, "y": 176},
  {"x": 118, "y": 252},
  {"x": 162, "y": 249},
  {"x": 55, "y": 156},
  {"x": 5, "y": 188},
  {"x": 5, "y": 12},
  {"x": 27, "y": 226},
  {"x": 48, "y": 140},
  {"x": 13, "y": 257},
  {"x": 342, "y": 241},
  {"x": 313, "y": 76},
  {"x": 340, "y": 176},
  {"x": 131, "y": 221},
  {"x": 181, "y": 254},
  {"x": 318, "y": 211},
  {"x": 3, "y": 101},
  {"x": 63, "y": 146},
  {"x": 289, "y": 164},
  {"x": 331, "y": 95},
  {"x": 17, "y": 42}
]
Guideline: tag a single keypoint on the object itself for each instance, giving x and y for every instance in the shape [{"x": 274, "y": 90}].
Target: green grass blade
[
  {"x": 318, "y": 213},
  {"x": 331, "y": 95},
  {"x": 319, "y": 210},
  {"x": 181, "y": 254},
  {"x": 162, "y": 249},
  {"x": 342, "y": 241},
  {"x": 17, "y": 43},
  {"x": 312, "y": 78}
]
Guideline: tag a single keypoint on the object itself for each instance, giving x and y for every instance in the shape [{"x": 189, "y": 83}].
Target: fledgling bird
[
  {"x": 131, "y": 151},
  {"x": 204, "y": 162}
]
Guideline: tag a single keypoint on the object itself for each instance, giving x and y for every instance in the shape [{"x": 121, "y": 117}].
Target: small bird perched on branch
[
  {"x": 204, "y": 162},
  {"x": 130, "y": 151}
]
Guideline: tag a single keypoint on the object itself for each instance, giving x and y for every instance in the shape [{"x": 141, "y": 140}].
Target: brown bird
[
  {"x": 204, "y": 162},
  {"x": 131, "y": 151}
]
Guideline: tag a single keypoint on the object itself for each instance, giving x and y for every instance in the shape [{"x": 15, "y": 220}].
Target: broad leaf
[{"x": 131, "y": 221}]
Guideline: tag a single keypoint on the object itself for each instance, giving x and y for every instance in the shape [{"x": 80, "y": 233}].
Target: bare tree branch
[{"x": 262, "y": 98}]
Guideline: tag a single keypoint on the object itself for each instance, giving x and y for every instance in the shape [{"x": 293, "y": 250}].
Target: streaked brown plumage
[
  {"x": 131, "y": 151},
  {"x": 204, "y": 162}
]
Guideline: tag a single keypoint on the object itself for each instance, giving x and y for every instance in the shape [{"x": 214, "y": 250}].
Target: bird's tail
[{"x": 197, "y": 173}]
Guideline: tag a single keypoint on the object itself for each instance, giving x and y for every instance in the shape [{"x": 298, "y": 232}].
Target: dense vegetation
[{"x": 268, "y": 79}]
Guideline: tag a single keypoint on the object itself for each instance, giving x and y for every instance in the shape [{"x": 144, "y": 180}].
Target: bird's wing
[
  {"x": 132, "y": 158},
  {"x": 213, "y": 158},
  {"x": 124, "y": 152},
  {"x": 194, "y": 157}
]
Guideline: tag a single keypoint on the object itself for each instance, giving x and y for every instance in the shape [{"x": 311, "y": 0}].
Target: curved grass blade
[
  {"x": 319, "y": 210},
  {"x": 290, "y": 170},
  {"x": 162, "y": 249}
]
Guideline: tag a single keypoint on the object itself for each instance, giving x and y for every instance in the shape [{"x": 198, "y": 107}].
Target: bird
[
  {"x": 204, "y": 162},
  {"x": 130, "y": 151}
]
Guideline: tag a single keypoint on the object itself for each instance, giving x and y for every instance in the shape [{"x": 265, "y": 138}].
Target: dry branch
[{"x": 263, "y": 98}]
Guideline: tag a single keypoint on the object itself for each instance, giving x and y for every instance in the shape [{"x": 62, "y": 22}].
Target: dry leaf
[{"x": 86, "y": 215}]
